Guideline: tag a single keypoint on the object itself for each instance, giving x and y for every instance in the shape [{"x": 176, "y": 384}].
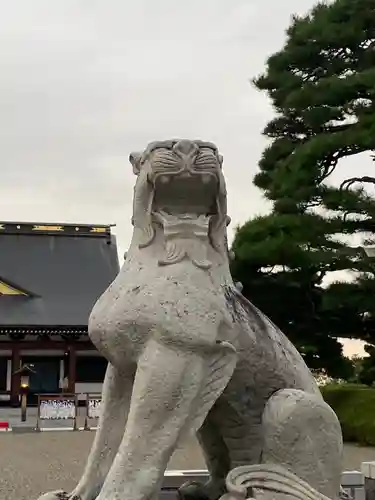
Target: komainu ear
[{"x": 135, "y": 160}]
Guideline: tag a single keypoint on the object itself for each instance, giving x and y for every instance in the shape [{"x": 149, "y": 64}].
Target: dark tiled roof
[{"x": 63, "y": 273}]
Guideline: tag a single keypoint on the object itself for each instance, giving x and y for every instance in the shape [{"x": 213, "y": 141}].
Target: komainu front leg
[
  {"x": 217, "y": 459},
  {"x": 117, "y": 390},
  {"x": 171, "y": 396}
]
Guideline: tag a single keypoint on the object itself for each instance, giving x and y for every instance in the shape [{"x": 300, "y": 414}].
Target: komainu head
[{"x": 181, "y": 178}]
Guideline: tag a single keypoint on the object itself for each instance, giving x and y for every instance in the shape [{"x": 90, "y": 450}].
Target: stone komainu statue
[{"x": 188, "y": 353}]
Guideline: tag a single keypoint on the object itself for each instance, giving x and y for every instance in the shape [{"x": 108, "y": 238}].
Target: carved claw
[
  {"x": 344, "y": 495},
  {"x": 192, "y": 490},
  {"x": 55, "y": 495},
  {"x": 59, "y": 495}
]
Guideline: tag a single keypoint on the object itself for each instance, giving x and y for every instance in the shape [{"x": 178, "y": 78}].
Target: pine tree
[{"x": 322, "y": 87}]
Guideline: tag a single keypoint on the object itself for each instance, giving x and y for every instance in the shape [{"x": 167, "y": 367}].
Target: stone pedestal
[{"x": 352, "y": 483}]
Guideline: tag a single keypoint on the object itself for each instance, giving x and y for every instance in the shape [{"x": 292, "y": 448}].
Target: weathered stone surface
[
  {"x": 187, "y": 352},
  {"x": 271, "y": 482}
]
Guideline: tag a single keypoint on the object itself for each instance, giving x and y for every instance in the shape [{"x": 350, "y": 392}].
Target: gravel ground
[{"x": 34, "y": 463}]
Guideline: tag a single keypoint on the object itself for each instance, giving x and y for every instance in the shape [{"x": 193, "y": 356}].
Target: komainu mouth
[{"x": 181, "y": 186}]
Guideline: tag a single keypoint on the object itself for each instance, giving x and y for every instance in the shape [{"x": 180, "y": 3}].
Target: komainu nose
[{"x": 185, "y": 148}]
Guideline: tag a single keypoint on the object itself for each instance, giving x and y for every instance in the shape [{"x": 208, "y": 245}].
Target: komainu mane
[{"x": 188, "y": 353}]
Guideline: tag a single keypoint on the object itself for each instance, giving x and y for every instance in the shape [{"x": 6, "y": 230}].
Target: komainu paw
[
  {"x": 192, "y": 490},
  {"x": 59, "y": 495},
  {"x": 55, "y": 495}
]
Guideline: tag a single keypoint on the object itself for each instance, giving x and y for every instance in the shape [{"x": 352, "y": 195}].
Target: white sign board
[
  {"x": 57, "y": 409},
  {"x": 94, "y": 408}
]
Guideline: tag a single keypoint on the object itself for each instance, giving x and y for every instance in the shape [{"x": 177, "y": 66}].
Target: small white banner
[
  {"x": 94, "y": 408},
  {"x": 57, "y": 409}
]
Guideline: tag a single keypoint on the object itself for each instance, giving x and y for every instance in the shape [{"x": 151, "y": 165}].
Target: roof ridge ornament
[
  {"x": 56, "y": 228},
  {"x": 7, "y": 288}
]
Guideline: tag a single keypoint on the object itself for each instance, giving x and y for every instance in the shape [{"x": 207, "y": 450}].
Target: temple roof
[{"x": 52, "y": 274}]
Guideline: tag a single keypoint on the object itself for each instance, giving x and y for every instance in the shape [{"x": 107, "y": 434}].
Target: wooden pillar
[
  {"x": 16, "y": 378},
  {"x": 72, "y": 363}
]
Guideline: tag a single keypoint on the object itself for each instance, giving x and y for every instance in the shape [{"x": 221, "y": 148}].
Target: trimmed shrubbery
[{"x": 354, "y": 405}]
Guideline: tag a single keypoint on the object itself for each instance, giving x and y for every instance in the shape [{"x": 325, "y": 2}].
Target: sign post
[{"x": 93, "y": 403}]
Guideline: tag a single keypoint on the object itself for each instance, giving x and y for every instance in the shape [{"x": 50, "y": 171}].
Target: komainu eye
[{"x": 206, "y": 159}]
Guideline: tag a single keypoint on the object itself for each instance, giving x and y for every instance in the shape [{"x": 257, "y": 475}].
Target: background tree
[
  {"x": 322, "y": 88},
  {"x": 366, "y": 373},
  {"x": 281, "y": 260}
]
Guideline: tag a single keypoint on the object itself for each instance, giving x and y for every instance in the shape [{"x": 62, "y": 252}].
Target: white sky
[{"x": 85, "y": 82}]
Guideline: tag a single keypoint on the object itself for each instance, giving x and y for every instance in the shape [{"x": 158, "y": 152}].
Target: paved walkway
[{"x": 33, "y": 463}]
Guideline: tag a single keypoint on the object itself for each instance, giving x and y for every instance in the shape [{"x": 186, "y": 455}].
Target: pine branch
[{"x": 347, "y": 183}]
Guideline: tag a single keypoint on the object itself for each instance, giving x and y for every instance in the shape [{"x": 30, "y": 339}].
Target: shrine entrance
[{"x": 46, "y": 378}]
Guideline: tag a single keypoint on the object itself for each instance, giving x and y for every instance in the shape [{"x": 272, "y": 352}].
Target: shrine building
[{"x": 50, "y": 277}]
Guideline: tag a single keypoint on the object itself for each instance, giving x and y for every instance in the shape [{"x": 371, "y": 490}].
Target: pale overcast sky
[{"x": 85, "y": 82}]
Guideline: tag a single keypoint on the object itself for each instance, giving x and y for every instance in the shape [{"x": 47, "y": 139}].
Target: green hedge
[{"x": 355, "y": 407}]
